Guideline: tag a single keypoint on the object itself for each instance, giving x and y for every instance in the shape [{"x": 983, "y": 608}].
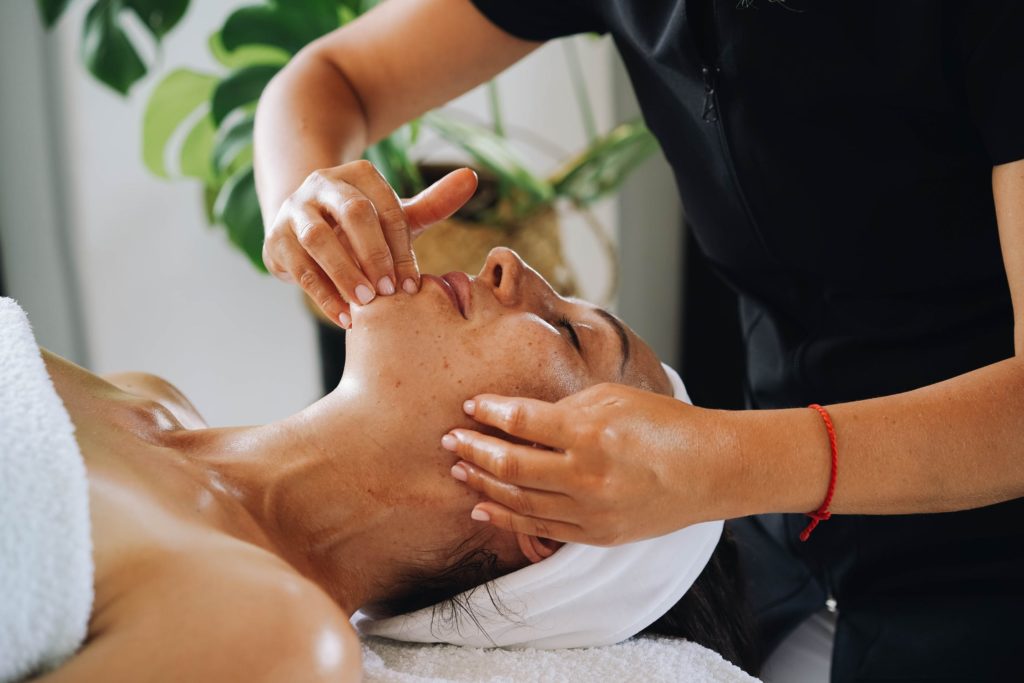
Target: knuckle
[
  {"x": 541, "y": 528},
  {"x": 514, "y": 417},
  {"x": 393, "y": 218},
  {"x": 404, "y": 259},
  {"x": 521, "y": 501},
  {"x": 312, "y": 234},
  {"x": 308, "y": 280},
  {"x": 505, "y": 466},
  {"x": 357, "y": 208},
  {"x": 288, "y": 207},
  {"x": 362, "y": 166},
  {"x": 379, "y": 257},
  {"x": 609, "y": 435}
]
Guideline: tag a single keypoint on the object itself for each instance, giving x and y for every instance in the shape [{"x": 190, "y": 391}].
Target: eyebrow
[{"x": 623, "y": 336}]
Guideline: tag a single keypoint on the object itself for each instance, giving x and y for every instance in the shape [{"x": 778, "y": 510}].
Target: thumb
[{"x": 440, "y": 200}]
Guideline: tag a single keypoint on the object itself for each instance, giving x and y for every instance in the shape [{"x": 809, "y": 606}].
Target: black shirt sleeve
[
  {"x": 542, "y": 20},
  {"x": 995, "y": 80}
]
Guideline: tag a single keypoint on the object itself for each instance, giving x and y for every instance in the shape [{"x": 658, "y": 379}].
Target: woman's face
[
  {"x": 413, "y": 360},
  {"x": 504, "y": 331}
]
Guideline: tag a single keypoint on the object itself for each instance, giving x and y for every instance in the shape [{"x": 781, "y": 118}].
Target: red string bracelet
[{"x": 823, "y": 513}]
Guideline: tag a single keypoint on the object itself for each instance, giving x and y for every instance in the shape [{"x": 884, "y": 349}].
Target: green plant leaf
[
  {"x": 197, "y": 151},
  {"x": 51, "y": 10},
  {"x": 106, "y": 50},
  {"x": 238, "y": 209},
  {"x": 391, "y": 157},
  {"x": 231, "y": 141},
  {"x": 210, "y": 192},
  {"x": 159, "y": 16},
  {"x": 495, "y": 154},
  {"x": 245, "y": 55},
  {"x": 177, "y": 96},
  {"x": 604, "y": 165},
  {"x": 240, "y": 88},
  {"x": 286, "y": 28}
]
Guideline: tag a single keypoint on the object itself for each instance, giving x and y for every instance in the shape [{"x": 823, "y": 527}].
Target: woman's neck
[{"x": 326, "y": 487}]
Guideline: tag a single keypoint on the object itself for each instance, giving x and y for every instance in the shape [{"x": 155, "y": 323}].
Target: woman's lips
[
  {"x": 463, "y": 288},
  {"x": 457, "y": 287}
]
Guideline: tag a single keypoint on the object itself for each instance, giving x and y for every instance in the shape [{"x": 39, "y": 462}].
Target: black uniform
[{"x": 834, "y": 161}]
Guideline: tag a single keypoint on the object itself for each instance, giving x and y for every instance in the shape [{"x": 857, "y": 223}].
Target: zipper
[
  {"x": 708, "y": 51},
  {"x": 710, "y": 112}
]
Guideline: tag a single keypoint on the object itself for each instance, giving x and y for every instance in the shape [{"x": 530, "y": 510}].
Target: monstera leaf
[
  {"x": 201, "y": 125},
  {"x": 108, "y": 51}
]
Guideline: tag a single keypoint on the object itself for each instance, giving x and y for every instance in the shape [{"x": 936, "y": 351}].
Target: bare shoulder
[
  {"x": 224, "y": 617},
  {"x": 159, "y": 390}
]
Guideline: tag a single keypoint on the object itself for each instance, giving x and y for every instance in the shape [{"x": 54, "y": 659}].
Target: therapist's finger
[
  {"x": 503, "y": 518},
  {"x": 440, "y": 200},
  {"x": 307, "y": 273},
  {"x": 319, "y": 240},
  {"x": 529, "y": 502},
  {"x": 513, "y": 463},
  {"x": 393, "y": 224},
  {"x": 527, "y": 418}
]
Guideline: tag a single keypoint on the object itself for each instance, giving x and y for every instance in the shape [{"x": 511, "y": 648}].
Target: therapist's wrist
[{"x": 779, "y": 462}]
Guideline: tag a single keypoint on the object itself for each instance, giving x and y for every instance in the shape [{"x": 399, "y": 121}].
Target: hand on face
[
  {"x": 345, "y": 237},
  {"x": 506, "y": 331},
  {"x": 612, "y": 473}
]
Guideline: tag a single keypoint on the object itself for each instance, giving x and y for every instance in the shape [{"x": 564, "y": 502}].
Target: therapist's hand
[
  {"x": 612, "y": 464},
  {"x": 344, "y": 236}
]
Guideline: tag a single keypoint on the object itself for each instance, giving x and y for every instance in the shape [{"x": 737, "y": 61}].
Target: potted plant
[{"x": 200, "y": 126}]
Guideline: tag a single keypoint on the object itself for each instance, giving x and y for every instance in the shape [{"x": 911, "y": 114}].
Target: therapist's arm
[
  {"x": 341, "y": 94},
  {"x": 634, "y": 464}
]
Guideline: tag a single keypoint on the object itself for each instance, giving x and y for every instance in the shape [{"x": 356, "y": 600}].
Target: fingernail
[
  {"x": 364, "y": 294},
  {"x": 409, "y": 286},
  {"x": 469, "y": 407},
  {"x": 479, "y": 515},
  {"x": 345, "y": 319},
  {"x": 386, "y": 286},
  {"x": 459, "y": 472},
  {"x": 448, "y": 442}
]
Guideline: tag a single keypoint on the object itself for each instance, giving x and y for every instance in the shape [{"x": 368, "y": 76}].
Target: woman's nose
[{"x": 514, "y": 282}]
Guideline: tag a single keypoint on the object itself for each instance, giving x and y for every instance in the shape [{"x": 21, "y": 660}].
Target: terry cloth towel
[
  {"x": 46, "y": 569},
  {"x": 647, "y": 659}
]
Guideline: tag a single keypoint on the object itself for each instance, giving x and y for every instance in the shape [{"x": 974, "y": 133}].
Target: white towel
[
  {"x": 46, "y": 569},
  {"x": 650, "y": 659}
]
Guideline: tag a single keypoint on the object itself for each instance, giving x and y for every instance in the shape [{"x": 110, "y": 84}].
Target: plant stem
[
  {"x": 579, "y": 88},
  {"x": 495, "y": 103}
]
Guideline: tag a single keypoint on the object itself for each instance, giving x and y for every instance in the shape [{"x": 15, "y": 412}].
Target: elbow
[{"x": 313, "y": 83}]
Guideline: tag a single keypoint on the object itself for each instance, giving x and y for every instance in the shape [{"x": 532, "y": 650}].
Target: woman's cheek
[{"x": 536, "y": 362}]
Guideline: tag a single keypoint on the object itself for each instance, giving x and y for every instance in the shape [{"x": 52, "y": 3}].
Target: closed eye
[{"x": 573, "y": 337}]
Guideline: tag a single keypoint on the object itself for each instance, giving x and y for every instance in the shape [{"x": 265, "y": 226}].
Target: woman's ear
[{"x": 536, "y": 549}]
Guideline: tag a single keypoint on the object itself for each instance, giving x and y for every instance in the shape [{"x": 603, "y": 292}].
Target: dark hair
[
  {"x": 713, "y": 613},
  {"x": 449, "y": 589}
]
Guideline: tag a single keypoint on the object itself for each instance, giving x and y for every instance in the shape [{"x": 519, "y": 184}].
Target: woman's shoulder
[
  {"x": 157, "y": 389},
  {"x": 227, "y": 613}
]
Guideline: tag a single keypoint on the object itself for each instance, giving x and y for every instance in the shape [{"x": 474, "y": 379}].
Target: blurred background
[{"x": 120, "y": 269}]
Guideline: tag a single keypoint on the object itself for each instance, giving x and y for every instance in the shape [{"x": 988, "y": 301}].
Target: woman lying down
[{"x": 242, "y": 553}]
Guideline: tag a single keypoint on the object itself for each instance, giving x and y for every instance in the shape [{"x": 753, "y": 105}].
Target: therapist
[{"x": 854, "y": 170}]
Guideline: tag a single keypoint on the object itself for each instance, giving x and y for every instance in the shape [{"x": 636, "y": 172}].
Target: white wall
[{"x": 157, "y": 290}]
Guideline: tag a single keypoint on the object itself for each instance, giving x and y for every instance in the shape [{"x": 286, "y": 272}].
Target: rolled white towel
[{"x": 46, "y": 570}]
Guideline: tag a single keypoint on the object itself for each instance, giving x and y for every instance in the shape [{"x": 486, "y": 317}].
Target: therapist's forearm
[
  {"x": 950, "y": 446},
  {"x": 953, "y": 445},
  {"x": 309, "y": 118}
]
